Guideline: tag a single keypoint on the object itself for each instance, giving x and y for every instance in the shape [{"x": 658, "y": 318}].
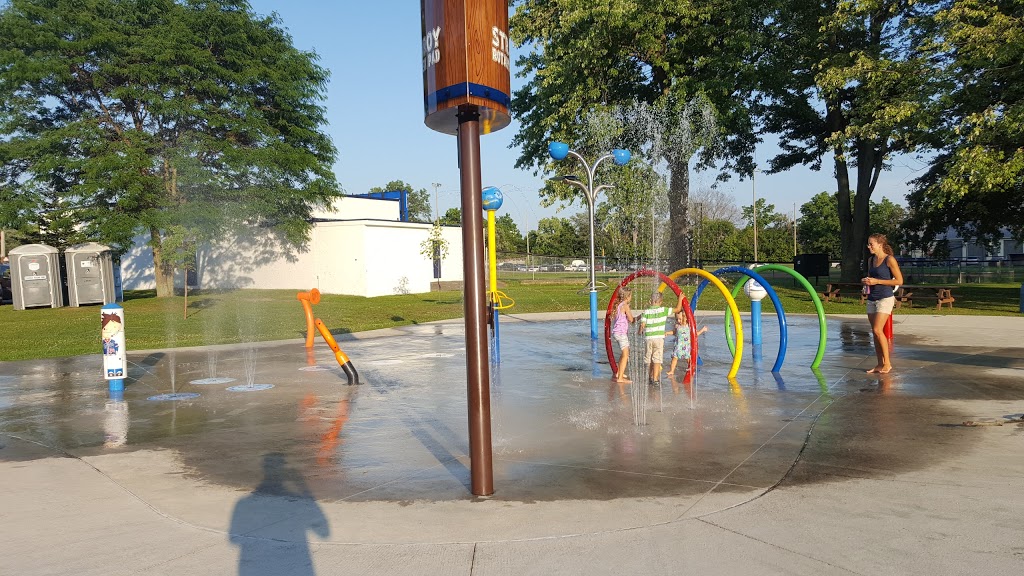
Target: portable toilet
[
  {"x": 90, "y": 269},
  {"x": 35, "y": 277}
]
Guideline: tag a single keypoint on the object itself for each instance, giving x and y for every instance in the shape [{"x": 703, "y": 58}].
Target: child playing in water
[
  {"x": 652, "y": 325},
  {"x": 682, "y": 348},
  {"x": 620, "y": 332}
]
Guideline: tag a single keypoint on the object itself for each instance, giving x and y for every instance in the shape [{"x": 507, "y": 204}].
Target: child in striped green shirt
[{"x": 652, "y": 324}]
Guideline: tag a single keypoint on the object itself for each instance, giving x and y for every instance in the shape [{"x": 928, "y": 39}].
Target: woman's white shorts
[{"x": 883, "y": 306}]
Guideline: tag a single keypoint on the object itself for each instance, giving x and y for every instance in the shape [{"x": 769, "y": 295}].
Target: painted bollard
[
  {"x": 115, "y": 365},
  {"x": 756, "y": 293}
]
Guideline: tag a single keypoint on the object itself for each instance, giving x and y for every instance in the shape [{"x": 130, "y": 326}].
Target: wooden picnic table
[{"x": 904, "y": 294}]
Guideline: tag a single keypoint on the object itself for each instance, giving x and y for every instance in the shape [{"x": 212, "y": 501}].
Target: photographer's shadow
[{"x": 269, "y": 525}]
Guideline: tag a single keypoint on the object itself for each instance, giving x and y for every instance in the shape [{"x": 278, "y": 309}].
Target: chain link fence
[{"x": 539, "y": 267}]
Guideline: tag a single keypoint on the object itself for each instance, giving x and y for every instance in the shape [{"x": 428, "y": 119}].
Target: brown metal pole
[{"x": 478, "y": 378}]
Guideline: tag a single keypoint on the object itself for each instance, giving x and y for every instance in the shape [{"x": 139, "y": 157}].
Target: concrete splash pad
[{"x": 385, "y": 462}]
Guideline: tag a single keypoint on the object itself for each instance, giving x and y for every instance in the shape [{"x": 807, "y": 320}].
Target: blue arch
[{"x": 783, "y": 330}]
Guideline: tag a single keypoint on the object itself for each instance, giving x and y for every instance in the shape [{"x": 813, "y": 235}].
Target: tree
[
  {"x": 506, "y": 234},
  {"x": 818, "y": 229},
  {"x": 435, "y": 247},
  {"x": 419, "y": 200},
  {"x": 671, "y": 55},
  {"x": 774, "y": 234},
  {"x": 558, "y": 237},
  {"x": 452, "y": 217},
  {"x": 976, "y": 182},
  {"x": 890, "y": 219},
  {"x": 847, "y": 79},
  {"x": 713, "y": 204},
  {"x": 717, "y": 240},
  {"x": 156, "y": 116}
]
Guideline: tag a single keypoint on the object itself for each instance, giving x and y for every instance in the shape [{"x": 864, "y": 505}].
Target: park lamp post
[{"x": 558, "y": 151}]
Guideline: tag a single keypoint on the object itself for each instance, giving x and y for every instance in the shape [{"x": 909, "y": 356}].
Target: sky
[{"x": 374, "y": 108}]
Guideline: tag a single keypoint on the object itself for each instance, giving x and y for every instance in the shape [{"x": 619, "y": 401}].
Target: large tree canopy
[
  {"x": 586, "y": 56},
  {"x": 976, "y": 182},
  {"x": 185, "y": 120},
  {"x": 847, "y": 79}
]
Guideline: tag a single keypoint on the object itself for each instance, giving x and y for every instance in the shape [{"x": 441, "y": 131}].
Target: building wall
[
  {"x": 393, "y": 262},
  {"x": 363, "y": 258},
  {"x": 340, "y": 264},
  {"x": 351, "y": 208}
]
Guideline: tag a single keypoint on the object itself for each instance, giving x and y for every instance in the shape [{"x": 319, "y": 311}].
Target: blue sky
[{"x": 375, "y": 110}]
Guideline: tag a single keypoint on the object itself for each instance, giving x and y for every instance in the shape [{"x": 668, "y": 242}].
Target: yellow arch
[{"x": 728, "y": 299}]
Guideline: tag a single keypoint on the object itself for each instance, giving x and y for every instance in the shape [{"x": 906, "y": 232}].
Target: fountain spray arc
[
  {"x": 558, "y": 151},
  {"x": 466, "y": 87}
]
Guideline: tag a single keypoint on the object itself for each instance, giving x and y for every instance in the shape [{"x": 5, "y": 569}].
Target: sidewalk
[{"x": 786, "y": 474}]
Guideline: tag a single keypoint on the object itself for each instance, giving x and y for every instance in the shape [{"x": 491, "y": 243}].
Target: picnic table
[{"x": 904, "y": 294}]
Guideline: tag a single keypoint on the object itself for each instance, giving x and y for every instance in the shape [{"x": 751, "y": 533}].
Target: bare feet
[
  {"x": 875, "y": 370},
  {"x": 884, "y": 370},
  {"x": 669, "y": 373},
  {"x": 623, "y": 381}
]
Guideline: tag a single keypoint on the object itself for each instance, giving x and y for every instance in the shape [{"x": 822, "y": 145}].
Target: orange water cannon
[
  {"x": 308, "y": 299},
  {"x": 343, "y": 360}
]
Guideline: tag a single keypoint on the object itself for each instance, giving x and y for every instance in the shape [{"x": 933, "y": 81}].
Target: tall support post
[
  {"x": 478, "y": 378},
  {"x": 466, "y": 88},
  {"x": 593, "y": 265}
]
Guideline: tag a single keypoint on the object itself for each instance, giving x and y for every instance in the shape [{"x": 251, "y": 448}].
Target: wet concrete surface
[
  {"x": 836, "y": 472},
  {"x": 561, "y": 429}
]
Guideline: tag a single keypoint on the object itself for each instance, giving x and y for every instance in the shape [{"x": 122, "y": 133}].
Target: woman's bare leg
[{"x": 881, "y": 343}]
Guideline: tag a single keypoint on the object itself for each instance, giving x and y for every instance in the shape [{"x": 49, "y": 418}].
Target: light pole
[{"x": 558, "y": 151}]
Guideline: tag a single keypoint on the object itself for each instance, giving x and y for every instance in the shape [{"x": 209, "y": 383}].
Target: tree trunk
[
  {"x": 678, "y": 198},
  {"x": 163, "y": 271},
  {"x": 854, "y": 222}
]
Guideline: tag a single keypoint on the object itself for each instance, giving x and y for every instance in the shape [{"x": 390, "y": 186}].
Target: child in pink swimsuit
[{"x": 620, "y": 331}]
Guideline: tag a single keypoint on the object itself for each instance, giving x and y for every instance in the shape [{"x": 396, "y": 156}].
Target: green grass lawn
[{"x": 258, "y": 315}]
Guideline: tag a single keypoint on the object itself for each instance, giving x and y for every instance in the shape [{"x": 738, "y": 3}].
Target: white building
[
  {"x": 360, "y": 248},
  {"x": 1005, "y": 248}
]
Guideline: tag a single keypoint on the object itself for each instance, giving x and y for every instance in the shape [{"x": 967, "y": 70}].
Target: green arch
[{"x": 822, "y": 329}]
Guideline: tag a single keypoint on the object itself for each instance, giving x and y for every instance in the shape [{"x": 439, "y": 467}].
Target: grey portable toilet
[
  {"x": 35, "y": 277},
  {"x": 90, "y": 269}
]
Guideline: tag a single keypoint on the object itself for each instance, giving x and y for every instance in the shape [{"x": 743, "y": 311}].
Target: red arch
[{"x": 610, "y": 314}]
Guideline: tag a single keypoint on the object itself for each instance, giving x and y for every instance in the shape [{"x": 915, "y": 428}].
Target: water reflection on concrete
[{"x": 561, "y": 429}]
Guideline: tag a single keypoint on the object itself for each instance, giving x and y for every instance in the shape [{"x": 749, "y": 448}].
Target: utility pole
[
  {"x": 794, "y": 229},
  {"x": 753, "y": 192},
  {"x": 436, "y": 215}
]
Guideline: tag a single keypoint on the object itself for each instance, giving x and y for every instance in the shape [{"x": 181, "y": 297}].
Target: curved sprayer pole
[
  {"x": 609, "y": 315},
  {"x": 308, "y": 299},
  {"x": 779, "y": 312},
  {"x": 822, "y": 326},
  {"x": 343, "y": 360},
  {"x": 737, "y": 354}
]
